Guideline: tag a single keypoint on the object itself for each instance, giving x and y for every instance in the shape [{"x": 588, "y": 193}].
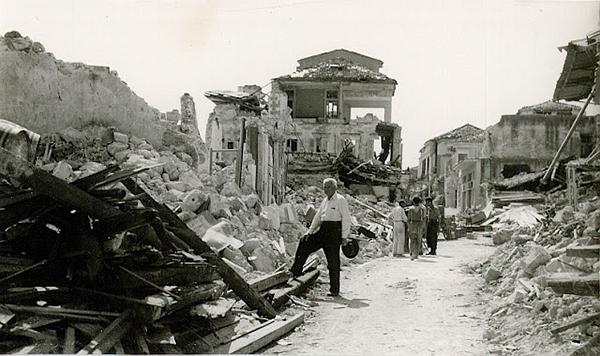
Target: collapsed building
[
  {"x": 306, "y": 123},
  {"x": 322, "y": 94}
]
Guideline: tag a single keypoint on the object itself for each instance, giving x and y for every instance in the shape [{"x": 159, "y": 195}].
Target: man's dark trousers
[
  {"x": 329, "y": 238},
  {"x": 432, "y": 236}
]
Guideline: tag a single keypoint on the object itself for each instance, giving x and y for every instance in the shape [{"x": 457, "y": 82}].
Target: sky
[{"x": 456, "y": 61}]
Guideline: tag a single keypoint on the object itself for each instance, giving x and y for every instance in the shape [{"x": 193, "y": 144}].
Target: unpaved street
[{"x": 398, "y": 306}]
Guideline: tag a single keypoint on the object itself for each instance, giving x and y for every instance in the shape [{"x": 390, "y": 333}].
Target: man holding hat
[{"x": 330, "y": 227}]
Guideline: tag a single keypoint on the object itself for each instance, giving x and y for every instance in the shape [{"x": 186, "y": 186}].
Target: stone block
[
  {"x": 287, "y": 213},
  {"x": 181, "y": 186},
  {"x": 250, "y": 200},
  {"x": 217, "y": 207},
  {"x": 186, "y": 216},
  {"x": 230, "y": 189},
  {"x": 537, "y": 256},
  {"x": 564, "y": 215},
  {"x": 262, "y": 260},
  {"x": 116, "y": 147},
  {"x": 272, "y": 213},
  {"x": 121, "y": 138},
  {"x": 249, "y": 246},
  {"x": 194, "y": 200},
  {"x": 235, "y": 204},
  {"x": 199, "y": 225},
  {"x": 502, "y": 236},
  {"x": 217, "y": 240},
  {"x": 593, "y": 222},
  {"x": 191, "y": 178},
  {"x": 136, "y": 141},
  {"x": 492, "y": 274},
  {"x": 146, "y": 154},
  {"x": 122, "y": 156},
  {"x": 63, "y": 170},
  {"x": 236, "y": 256},
  {"x": 264, "y": 222},
  {"x": 72, "y": 136}
]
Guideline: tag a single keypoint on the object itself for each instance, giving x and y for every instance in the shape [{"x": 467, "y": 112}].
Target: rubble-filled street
[{"x": 200, "y": 177}]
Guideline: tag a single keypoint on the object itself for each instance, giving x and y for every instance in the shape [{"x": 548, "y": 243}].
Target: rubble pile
[
  {"x": 110, "y": 268},
  {"x": 544, "y": 281}
]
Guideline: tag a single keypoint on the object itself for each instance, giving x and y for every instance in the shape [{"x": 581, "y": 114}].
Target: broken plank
[
  {"x": 260, "y": 338},
  {"x": 575, "y": 323},
  {"x": 269, "y": 281},
  {"x": 213, "y": 309},
  {"x": 59, "y": 310},
  {"x": 138, "y": 341},
  {"x": 181, "y": 275},
  {"x": 69, "y": 344},
  {"x": 297, "y": 286},
  {"x": 574, "y": 283},
  {"x": 248, "y": 294},
  {"x": 592, "y": 251},
  {"x": 103, "y": 342}
]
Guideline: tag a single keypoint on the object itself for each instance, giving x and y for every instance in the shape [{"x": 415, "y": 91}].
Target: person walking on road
[
  {"x": 433, "y": 225},
  {"x": 329, "y": 229},
  {"x": 416, "y": 226},
  {"x": 399, "y": 220}
]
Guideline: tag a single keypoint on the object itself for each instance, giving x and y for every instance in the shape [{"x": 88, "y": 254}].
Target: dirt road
[{"x": 397, "y": 306}]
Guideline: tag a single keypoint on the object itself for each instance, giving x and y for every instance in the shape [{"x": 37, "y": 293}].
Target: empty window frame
[
  {"x": 292, "y": 145},
  {"x": 331, "y": 104},
  {"x": 230, "y": 145},
  {"x": 290, "y": 101}
]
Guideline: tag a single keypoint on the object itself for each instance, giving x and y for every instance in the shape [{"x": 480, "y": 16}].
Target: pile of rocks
[
  {"x": 232, "y": 220},
  {"x": 523, "y": 309}
]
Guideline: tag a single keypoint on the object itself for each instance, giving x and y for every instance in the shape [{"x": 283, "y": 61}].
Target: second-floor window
[
  {"x": 331, "y": 104},
  {"x": 462, "y": 157}
]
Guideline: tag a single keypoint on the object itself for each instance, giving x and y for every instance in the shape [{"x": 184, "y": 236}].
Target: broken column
[{"x": 189, "y": 124}]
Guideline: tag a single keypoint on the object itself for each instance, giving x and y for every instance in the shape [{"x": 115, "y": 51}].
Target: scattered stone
[
  {"x": 63, "y": 170},
  {"x": 492, "y": 274},
  {"x": 536, "y": 256},
  {"x": 121, "y": 138},
  {"x": 193, "y": 200},
  {"x": 230, "y": 189},
  {"x": 564, "y": 215},
  {"x": 116, "y": 147}
]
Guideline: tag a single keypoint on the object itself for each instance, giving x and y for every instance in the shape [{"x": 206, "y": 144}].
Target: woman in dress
[{"x": 398, "y": 219}]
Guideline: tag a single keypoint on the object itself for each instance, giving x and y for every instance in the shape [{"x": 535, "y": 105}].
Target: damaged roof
[
  {"x": 549, "y": 107},
  {"x": 244, "y": 100},
  {"x": 578, "y": 75},
  {"x": 465, "y": 132},
  {"x": 339, "y": 69}
]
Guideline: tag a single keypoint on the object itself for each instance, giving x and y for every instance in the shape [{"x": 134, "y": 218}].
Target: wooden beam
[
  {"x": 261, "y": 337},
  {"x": 297, "y": 286},
  {"x": 250, "y": 296},
  {"x": 592, "y": 251},
  {"x": 69, "y": 344},
  {"x": 268, "y": 281},
  {"x": 574, "y": 283},
  {"x": 575, "y": 323},
  {"x": 103, "y": 342}
]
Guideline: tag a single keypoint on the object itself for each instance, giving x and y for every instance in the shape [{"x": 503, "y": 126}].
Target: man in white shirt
[{"x": 330, "y": 227}]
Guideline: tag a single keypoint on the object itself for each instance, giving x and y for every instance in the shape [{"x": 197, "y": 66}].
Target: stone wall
[
  {"x": 533, "y": 140},
  {"x": 47, "y": 95}
]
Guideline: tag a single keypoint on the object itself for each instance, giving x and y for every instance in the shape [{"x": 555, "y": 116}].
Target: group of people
[
  {"x": 330, "y": 229},
  {"x": 412, "y": 224}
]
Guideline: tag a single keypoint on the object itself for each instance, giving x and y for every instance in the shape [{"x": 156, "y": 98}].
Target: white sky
[{"x": 455, "y": 61}]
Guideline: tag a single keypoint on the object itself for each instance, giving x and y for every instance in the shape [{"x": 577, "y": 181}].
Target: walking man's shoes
[{"x": 331, "y": 294}]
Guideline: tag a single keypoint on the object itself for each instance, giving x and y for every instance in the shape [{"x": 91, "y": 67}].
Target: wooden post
[
  {"x": 210, "y": 160},
  {"x": 240, "y": 155},
  {"x": 544, "y": 179}
]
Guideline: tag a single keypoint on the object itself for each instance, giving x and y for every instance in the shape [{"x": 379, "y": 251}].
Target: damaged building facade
[
  {"x": 246, "y": 129},
  {"x": 440, "y": 157},
  {"x": 322, "y": 94},
  {"x": 464, "y": 163}
]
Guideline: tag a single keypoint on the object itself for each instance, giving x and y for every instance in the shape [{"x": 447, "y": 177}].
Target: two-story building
[
  {"x": 439, "y": 155},
  {"x": 324, "y": 94}
]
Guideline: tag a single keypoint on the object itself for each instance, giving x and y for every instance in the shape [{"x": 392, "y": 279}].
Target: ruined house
[
  {"x": 247, "y": 130},
  {"x": 527, "y": 141},
  {"x": 440, "y": 155},
  {"x": 324, "y": 94}
]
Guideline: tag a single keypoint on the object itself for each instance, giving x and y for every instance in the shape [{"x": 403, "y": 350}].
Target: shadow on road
[{"x": 354, "y": 303}]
